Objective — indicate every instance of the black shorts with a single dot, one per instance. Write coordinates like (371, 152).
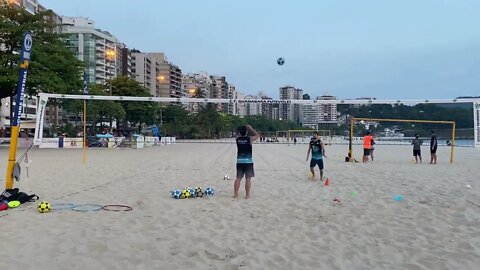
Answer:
(245, 169)
(314, 162)
(433, 151)
(366, 152)
(417, 153)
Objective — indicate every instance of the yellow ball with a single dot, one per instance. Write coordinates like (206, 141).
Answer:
(43, 207)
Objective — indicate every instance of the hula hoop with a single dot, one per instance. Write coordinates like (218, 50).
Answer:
(89, 207)
(117, 208)
(63, 206)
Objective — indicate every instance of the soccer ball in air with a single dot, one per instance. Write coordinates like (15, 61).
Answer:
(43, 207)
(199, 192)
(280, 61)
(209, 191)
(226, 177)
(185, 194)
(176, 194)
(192, 192)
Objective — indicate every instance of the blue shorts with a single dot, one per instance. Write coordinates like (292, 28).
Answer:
(314, 162)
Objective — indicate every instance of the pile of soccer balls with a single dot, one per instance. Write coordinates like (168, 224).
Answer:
(190, 192)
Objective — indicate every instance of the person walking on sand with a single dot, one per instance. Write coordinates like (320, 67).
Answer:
(417, 148)
(317, 149)
(433, 148)
(367, 145)
(245, 159)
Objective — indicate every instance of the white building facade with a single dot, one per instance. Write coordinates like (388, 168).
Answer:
(99, 50)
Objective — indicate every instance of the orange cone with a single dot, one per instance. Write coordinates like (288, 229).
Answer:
(327, 182)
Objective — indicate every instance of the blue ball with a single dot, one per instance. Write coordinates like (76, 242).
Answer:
(209, 191)
(193, 194)
(176, 194)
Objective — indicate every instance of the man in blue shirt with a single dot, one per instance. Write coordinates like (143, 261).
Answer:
(245, 159)
(317, 149)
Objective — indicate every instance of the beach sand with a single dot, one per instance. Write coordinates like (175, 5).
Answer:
(289, 223)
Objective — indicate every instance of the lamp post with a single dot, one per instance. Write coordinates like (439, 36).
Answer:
(110, 55)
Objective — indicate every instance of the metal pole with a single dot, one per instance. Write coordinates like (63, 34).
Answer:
(14, 128)
(453, 143)
(350, 146)
(84, 131)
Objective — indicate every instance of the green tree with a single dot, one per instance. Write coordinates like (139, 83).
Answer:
(177, 121)
(136, 112)
(53, 67)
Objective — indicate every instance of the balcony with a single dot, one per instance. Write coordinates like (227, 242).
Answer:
(100, 42)
(100, 73)
(100, 49)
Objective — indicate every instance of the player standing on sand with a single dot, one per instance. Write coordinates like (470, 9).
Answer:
(367, 145)
(433, 148)
(417, 143)
(318, 152)
(245, 159)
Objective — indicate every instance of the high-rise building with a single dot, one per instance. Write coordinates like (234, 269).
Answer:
(290, 112)
(170, 76)
(220, 90)
(252, 108)
(98, 49)
(310, 115)
(196, 85)
(162, 78)
(126, 58)
(241, 106)
(146, 71)
(31, 6)
(268, 107)
(319, 113)
(232, 94)
(328, 112)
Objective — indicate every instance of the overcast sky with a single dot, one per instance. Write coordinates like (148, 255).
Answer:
(348, 48)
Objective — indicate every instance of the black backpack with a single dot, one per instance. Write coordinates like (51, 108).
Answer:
(9, 195)
(23, 197)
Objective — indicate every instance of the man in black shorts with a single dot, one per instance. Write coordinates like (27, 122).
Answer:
(433, 148)
(244, 159)
(417, 148)
(317, 149)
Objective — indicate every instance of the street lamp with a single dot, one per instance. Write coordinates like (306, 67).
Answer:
(110, 55)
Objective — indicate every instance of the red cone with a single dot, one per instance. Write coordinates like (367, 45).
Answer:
(327, 182)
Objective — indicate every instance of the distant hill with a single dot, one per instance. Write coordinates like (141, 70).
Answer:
(466, 106)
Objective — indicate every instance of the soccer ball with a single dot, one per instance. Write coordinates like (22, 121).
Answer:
(280, 61)
(43, 207)
(192, 192)
(185, 194)
(209, 191)
(226, 177)
(199, 192)
(176, 194)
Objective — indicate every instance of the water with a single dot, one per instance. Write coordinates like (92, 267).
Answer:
(464, 143)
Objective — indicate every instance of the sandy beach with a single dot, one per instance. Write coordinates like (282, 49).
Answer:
(289, 223)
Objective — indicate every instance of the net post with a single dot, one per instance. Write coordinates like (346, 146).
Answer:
(42, 100)
(350, 147)
(453, 143)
